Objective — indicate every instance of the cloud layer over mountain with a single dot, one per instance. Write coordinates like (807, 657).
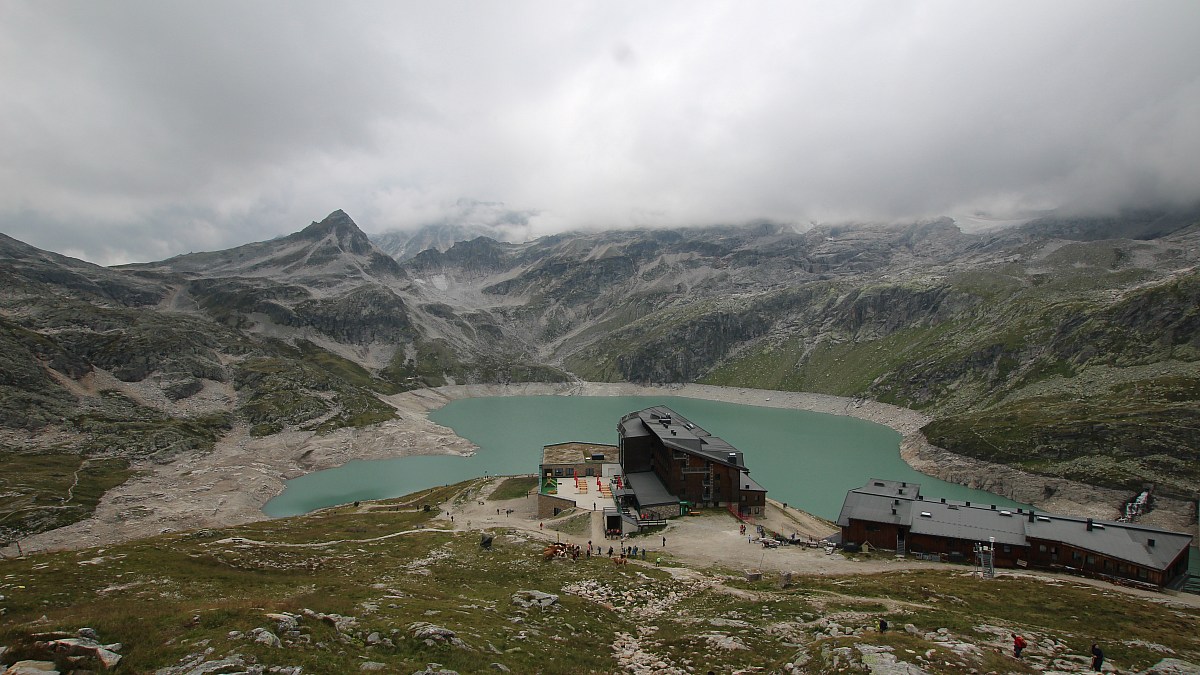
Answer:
(139, 130)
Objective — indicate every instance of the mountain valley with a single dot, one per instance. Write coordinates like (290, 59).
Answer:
(1060, 347)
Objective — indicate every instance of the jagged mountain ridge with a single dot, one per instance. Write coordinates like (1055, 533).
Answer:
(325, 253)
(1024, 346)
(977, 329)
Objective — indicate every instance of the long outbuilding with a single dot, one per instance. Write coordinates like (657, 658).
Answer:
(894, 515)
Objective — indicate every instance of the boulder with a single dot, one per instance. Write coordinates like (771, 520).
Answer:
(434, 635)
(435, 669)
(197, 665)
(1171, 667)
(32, 668)
(81, 646)
(266, 637)
(534, 599)
(340, 623)
(284, 622)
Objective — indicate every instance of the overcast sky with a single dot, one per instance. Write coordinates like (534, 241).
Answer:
(133, 131)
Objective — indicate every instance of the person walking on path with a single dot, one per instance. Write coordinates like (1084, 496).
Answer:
(1097, 657)
(664, 542)
(1019, 645)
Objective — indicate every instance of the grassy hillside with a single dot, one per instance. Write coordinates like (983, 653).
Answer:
(331, 591)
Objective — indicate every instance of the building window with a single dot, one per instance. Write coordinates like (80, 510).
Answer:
(570, 472)
(1091, 560)
(1042, 548)
(558, 472)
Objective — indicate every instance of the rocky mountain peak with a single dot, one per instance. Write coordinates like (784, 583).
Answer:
(341, 228)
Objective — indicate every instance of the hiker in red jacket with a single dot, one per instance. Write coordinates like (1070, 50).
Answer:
(1019, 644)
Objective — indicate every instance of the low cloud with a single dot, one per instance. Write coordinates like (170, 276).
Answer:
(140, 130)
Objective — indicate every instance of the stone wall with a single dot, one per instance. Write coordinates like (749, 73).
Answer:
(547, 504)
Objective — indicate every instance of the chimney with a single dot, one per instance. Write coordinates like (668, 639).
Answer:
(1031, 515)
(903, 484)
(895, 501)
(943, 500)
(893, 510)
(993, 507)
(1089, 524)
(1150, 543)
(967, 504)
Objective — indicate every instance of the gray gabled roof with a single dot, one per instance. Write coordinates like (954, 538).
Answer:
(679, 433)
(1127, 541)
(972, 523)
(746, 483)
(874, 508)
(875, 502)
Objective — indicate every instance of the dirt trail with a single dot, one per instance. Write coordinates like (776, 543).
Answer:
(709, 539)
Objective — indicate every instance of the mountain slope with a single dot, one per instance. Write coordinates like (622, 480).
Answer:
(1045, 346)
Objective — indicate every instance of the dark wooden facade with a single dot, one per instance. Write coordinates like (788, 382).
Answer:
(693, 475)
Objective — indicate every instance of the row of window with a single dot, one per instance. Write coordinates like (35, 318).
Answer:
(569, 472)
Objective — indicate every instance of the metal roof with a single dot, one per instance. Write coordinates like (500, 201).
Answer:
(875, 501)
(648, 489)
(890, 488)
(631, 426)
(973, 523)
(745, 482)
(679, 433)
(1127, 541)
(874, 508)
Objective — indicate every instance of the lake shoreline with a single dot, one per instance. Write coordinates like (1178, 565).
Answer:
(231, 484)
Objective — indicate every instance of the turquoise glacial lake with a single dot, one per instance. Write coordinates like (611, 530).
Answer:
(808, 460)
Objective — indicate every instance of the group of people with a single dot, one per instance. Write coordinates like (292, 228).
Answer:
(626, 551)
(1020, 643)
